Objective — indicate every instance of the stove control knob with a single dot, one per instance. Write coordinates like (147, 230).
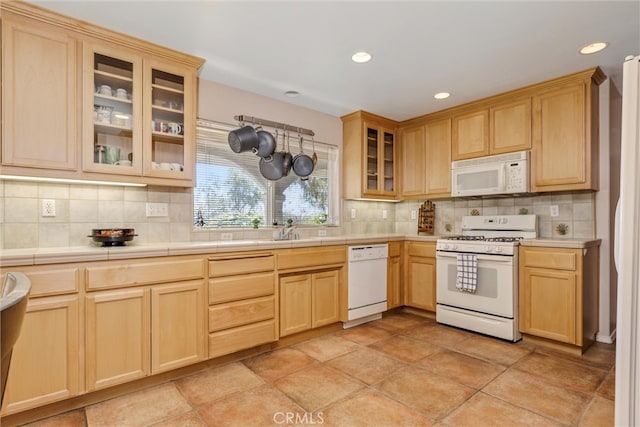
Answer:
(498, 249)
(445, 246)
(489, 249)
(454, 247)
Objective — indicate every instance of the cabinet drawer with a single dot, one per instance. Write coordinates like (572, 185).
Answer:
(422, 249)
(229, 315)
(241, 287)
(229, 265)
(311, 257)
(240, 338)
(115, 275)
(50, 281)
(551, 258)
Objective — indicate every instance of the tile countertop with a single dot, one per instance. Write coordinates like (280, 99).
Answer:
(36, 256)
(561, 243)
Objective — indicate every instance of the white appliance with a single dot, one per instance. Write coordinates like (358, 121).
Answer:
(491, 175)
(627, 253)
(492, 309)
(367, 283)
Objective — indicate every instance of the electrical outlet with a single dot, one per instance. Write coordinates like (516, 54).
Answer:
(322, 233)
(554, 211)
(48, 207)
(226, 236)
(353, 214)
(157, 209)
(385, 214)
(414, 214)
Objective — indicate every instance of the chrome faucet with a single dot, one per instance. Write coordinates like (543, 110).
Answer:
(286, 232)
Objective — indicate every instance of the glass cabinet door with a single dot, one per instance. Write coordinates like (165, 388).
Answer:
(167, 149)
(112, 88)
(388, 157)
(372, 143)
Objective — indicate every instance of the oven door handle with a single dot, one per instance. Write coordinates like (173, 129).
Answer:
(481, 257)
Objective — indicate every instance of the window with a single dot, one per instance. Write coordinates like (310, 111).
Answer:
(231, 192)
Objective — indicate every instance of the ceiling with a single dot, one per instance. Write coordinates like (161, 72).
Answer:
(470, 49)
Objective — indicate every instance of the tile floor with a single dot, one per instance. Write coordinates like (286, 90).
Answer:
(402, 370)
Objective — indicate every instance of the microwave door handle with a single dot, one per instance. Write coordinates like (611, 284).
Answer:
(504, 176)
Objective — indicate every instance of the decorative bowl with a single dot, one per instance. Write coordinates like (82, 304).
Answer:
(112, 236)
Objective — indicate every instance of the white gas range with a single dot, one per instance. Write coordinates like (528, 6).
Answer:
(477, 274)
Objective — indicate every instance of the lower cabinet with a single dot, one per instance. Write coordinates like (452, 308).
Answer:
(420, 275)
(309, 301)
(558, 295)
(117, 337)
(135, 332)
(45, 363)
(242, 305)
(177, 325)
(394, 276)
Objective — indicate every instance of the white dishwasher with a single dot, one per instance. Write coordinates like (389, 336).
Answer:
(367, 283)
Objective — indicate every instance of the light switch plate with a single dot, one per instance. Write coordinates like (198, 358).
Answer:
(554, 211)
(414, 214)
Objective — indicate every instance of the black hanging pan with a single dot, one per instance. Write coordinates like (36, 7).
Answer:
(302, 164)
(266, 143)
(272, 166)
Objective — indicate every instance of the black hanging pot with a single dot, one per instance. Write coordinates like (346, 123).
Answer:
(302, 164)
(272, 167)
(243, 139)
(266, 143)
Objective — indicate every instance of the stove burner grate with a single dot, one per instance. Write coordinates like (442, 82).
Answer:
(465, 238)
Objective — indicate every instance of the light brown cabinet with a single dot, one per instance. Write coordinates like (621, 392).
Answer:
(139, 115)
(45, 364)
(420, 274)
(51, 327)
(564, 153)
(510, 126)
(117, 337)
(242, 305)
(558, 295)
(128, 106)
(426, 159)
(394, 276)
(40, 96)
(413, 164)
(143, 317)
(470, 134)
(370, 157)
(309, 301)
(177, 325)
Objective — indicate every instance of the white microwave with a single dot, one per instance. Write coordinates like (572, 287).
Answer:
(491, 175)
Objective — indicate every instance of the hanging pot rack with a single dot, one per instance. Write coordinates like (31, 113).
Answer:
(276, 125)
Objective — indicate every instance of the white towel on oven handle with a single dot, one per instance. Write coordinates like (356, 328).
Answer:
(467, 277)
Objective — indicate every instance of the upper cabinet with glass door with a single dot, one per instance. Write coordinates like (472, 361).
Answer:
(370, 154)
(113, 111)
(169, 134)
(139, 116)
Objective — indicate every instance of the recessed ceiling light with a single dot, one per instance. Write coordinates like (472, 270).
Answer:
(442, 95)
(361, 57)
(593, 48)
(292, 93)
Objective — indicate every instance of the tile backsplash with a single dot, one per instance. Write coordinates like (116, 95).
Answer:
(79, 208)
(575, 210)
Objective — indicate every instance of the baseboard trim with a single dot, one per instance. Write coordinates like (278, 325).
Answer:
(608, 339)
